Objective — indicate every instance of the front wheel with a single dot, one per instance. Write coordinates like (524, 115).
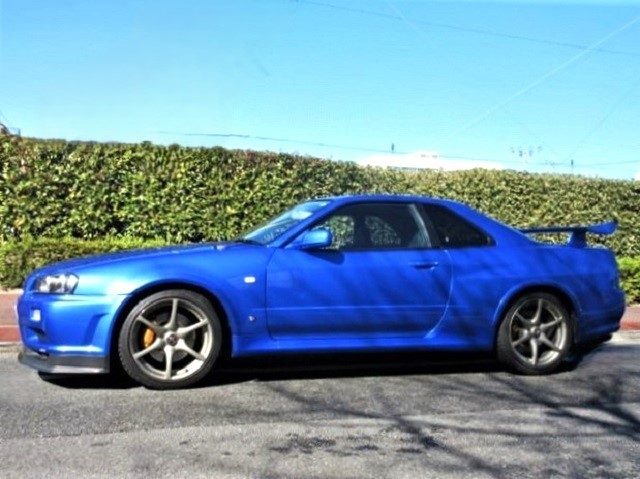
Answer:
(170, 339)
(535, 335)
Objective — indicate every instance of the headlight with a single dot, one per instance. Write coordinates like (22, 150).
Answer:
(57, 284)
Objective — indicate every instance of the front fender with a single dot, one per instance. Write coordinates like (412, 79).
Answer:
(242, 302)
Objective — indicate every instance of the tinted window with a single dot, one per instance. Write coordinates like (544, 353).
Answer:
(287, 220)
(452, 230)
(377, 226)
(343, 229)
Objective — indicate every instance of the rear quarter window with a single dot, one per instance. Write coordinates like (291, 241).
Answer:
(452, 230)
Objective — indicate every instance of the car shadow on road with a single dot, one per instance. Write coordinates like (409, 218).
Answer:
(86, 381)
(317, 366)
(354, 365)
(321, 366)
(295, 367)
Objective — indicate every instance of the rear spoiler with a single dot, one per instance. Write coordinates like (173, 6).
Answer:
(578, 238)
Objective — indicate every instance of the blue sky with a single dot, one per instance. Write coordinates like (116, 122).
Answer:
(467, 79)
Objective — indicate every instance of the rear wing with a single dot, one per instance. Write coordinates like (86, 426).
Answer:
(578, 237)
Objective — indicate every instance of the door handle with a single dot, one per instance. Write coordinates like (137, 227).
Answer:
(425, 265)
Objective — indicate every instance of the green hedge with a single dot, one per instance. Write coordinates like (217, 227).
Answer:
(18, 258)
(630, 277)
(143, 194)
(51, 188)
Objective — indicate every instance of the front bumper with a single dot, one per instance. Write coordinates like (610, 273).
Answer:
(64, 364)
(65, 334)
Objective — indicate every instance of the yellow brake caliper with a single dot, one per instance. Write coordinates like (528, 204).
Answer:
(148, 338)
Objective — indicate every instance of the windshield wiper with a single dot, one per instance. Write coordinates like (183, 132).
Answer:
(247, 241)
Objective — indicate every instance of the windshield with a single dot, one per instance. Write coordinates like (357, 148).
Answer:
(287, 220)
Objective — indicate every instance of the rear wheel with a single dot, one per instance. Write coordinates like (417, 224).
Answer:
(535, 334)
(170, 339)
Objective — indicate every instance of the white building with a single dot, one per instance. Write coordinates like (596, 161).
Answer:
(419, 160)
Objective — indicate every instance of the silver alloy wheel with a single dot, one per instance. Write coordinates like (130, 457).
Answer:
(171, 339)
(538, 332)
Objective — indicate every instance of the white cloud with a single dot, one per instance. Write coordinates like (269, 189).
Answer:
(418, 160)
(637, 177)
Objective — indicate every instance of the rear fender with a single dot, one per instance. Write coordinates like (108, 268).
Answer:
(564, 294)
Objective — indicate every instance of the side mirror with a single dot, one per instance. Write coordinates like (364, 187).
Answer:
(316, 239)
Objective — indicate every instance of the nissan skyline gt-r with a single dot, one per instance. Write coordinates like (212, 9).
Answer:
(343, 274)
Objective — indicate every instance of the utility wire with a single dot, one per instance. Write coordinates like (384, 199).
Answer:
(542, 79)
(403, 18)
(359, 148)
(306, 142)
(279, 140)
(478, 31)
(609, 163)
(529, 131)
(612, 108)
(595, 47)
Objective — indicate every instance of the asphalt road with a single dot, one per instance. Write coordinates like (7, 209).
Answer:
(407, 416)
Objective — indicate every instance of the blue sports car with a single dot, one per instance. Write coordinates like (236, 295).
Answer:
(351, 273)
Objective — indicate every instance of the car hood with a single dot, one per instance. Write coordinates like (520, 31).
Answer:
(76, 264)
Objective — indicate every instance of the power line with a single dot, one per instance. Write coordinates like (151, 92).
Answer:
(305, 142)
(585, 49)
(529, 131)
(612, 108)
(542, 79)
(612, 163)
(402, 17)
(279, 140)
(361, 148)
(478, 31)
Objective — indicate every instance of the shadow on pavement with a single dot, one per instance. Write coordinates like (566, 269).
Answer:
(89, 381)
(328, 365)
(318, 366)
(570, 414)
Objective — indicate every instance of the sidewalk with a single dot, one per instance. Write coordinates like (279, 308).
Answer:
(9, 330)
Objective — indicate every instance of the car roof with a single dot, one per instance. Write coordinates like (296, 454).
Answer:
(500, 232)
(385, 197)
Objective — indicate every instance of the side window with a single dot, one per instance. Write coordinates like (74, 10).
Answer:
(342, 228)
(452, 230)
(381, 233)
(377, 226)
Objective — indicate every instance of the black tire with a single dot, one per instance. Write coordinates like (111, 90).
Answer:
(519, 330)
(179, 321)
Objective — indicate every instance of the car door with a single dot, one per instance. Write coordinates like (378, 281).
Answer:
(482, 272)
(381, 277)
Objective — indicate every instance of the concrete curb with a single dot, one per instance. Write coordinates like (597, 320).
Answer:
(8, 322)
(631, 319)
(9, 348)
(9, 333)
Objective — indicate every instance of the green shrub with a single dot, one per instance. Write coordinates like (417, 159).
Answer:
(630, 278)
(96, 197)
(19, 258)
(51, 188)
